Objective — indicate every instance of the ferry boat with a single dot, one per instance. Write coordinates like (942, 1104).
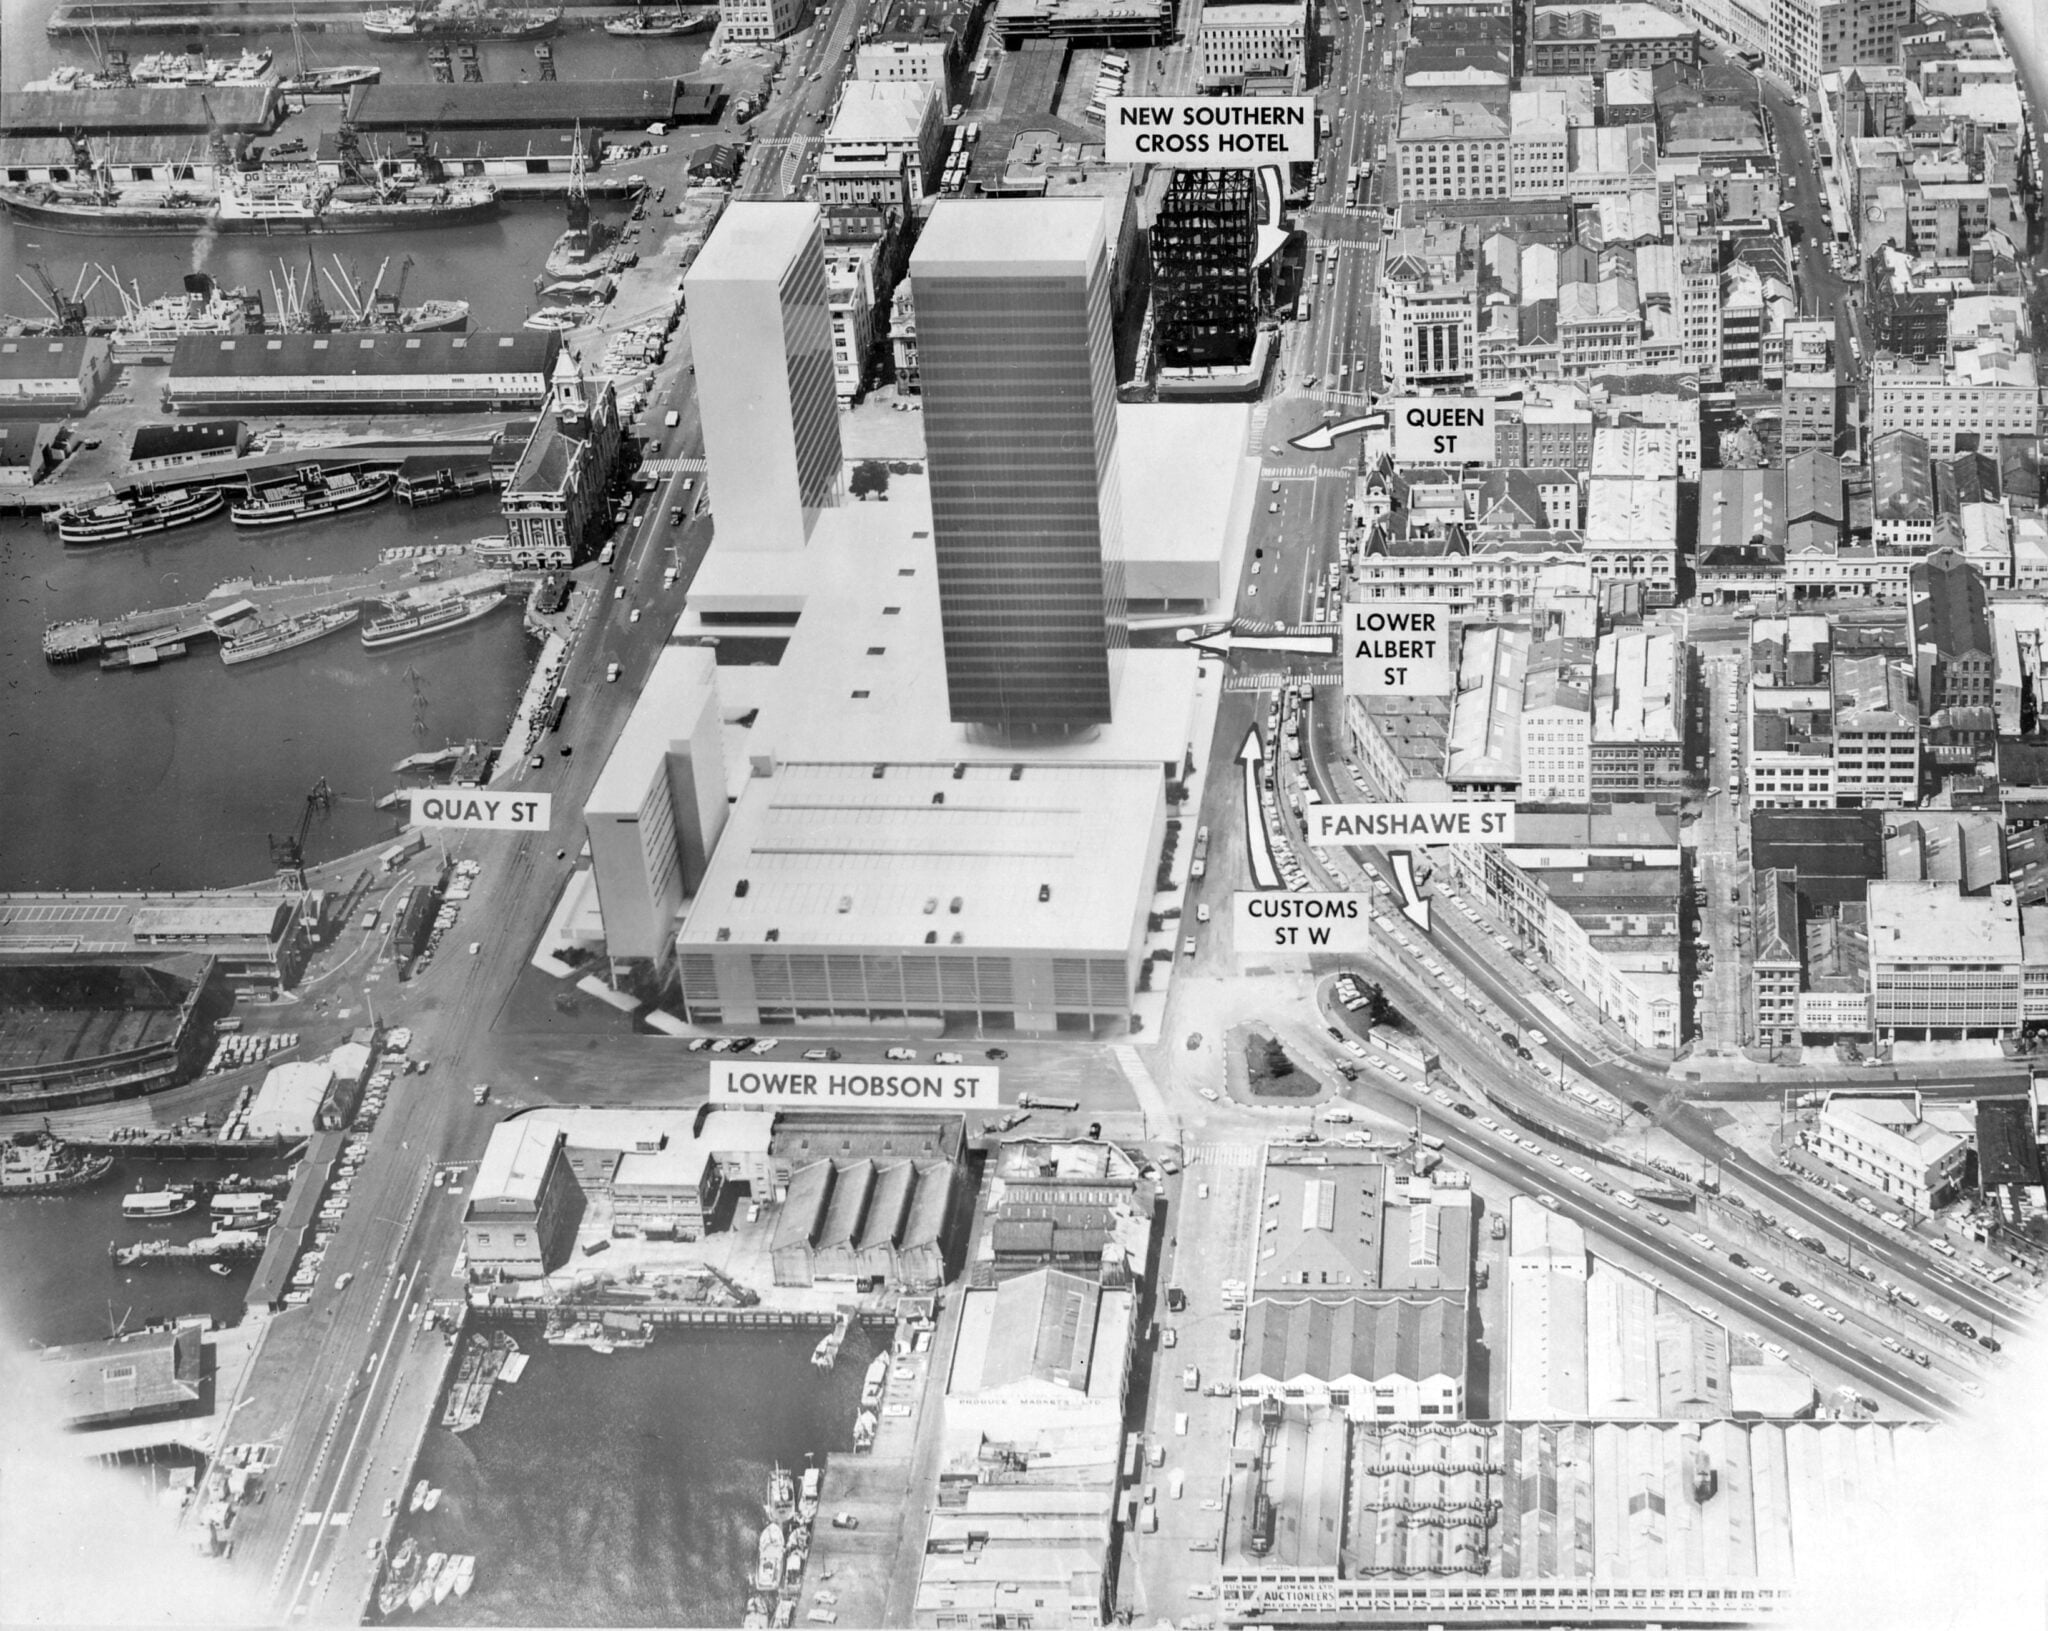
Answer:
(662, 23)
(768, 1567)
(423, 1588)
(462, 22)
(144, 510)
(465, 1574)
(292, 633)
(310, 491)
(435, 485)
(559, 318)
(195, 68)
(429, 617)
(152, 1204)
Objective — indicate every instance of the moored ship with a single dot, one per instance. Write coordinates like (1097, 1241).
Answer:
(661, 23)
(142, 511)
(195, 68)
(46, 1166)
(311, 491)
(443, 482)
(152, 1204)
(768, 1563)
(462, 22)
(435, 616)
(149, 331)
(292, 633)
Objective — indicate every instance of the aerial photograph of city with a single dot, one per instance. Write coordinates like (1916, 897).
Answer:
(990, 815)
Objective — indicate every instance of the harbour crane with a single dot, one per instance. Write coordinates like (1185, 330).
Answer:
(288, 854)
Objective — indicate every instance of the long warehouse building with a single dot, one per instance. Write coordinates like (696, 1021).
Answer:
(305, 373)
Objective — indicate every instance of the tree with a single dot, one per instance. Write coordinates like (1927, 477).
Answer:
(1377, 1009)
(1277, 1062)
(869, 476)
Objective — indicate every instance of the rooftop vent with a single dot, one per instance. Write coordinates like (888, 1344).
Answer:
(939, 797)
(739, 890)
(931, 937)
(772, 935)
(954, 905)
(959, 938)
(1045, 891)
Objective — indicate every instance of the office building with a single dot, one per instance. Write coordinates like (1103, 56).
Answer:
(1237, 41)
(761, 339)
(557, 502)
(1595, 39)
(1953, 651)
(761, 19)
(1450, 151)
(1943, 963)
(1984, 391)
(1204, 236)
(658, 806)
(1884, 1144)
(1018, 372)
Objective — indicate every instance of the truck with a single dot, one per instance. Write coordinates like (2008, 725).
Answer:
(402, 851)
(1033, 1101)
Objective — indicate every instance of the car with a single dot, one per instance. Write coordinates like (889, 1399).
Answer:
(1699, 1239)
(634, 615)
(1191, 1379)
(845, 1520)
(900, 1055)
(1893, 1344)
(612, 673)
(948, 1059)
(1464, 1110)
(1212, 1095)
(475, 947)
(1187, 946)
(767, 1044)
(1974, 1390)
(1775, 1351)
(1813, 1302)
(1990, 1344)
(999, 1053)
(819, 1055)
(1168, 1337)
(1965, 1327)
(1736, 1258)
(1835, 1314)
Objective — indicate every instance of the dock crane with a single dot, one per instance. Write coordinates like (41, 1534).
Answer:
(288, 854)
(66, 311)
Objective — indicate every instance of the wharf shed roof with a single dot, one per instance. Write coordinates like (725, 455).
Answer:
(515, 1163)
(143, 110)
(845, 1212)
(242, 919)
(328, 356)
(553, 103)
(130, 1376)
(46, 356)
(1327, 1341)
(804, 1208)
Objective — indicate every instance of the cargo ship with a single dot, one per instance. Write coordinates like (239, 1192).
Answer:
(312, 491)
(430, 617)
(149, 331)
(462, 22)
(287, 202)
(660, 24)
(142, 511)
(292, 633)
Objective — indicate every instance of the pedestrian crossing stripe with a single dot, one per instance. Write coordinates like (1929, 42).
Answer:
(1225, 1154)
(1274, 679)
(673, 467)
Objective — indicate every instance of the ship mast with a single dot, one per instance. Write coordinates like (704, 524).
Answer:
(579, 194)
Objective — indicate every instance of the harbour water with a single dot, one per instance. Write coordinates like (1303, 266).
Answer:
(626, 1489)
(174, 778)
(57, 1283)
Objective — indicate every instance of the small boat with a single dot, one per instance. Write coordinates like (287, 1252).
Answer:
(465, 1574)
(781, 1491)
(768, 1568)
(219, 1268)
(423, 1588)
(807, 1500)
(419, 1495)
(398, 1579)
(444, 1582)
(756, 1618)
(559, 318)
(433, 1500)
(872, 1384)
(785, 1614)
(157, 1203)
(793, 1568)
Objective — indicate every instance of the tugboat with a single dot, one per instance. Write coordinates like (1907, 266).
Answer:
(312, 490)
(46, 1166)
(142, 511)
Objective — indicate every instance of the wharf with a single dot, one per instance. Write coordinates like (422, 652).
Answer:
(273, 602)
(182, 1147)
(224, 19)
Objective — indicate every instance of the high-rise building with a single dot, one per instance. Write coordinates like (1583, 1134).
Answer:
(761, 340)
(1015, 354)
(1203, 240)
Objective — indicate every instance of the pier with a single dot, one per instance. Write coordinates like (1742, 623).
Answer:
(185, 1147)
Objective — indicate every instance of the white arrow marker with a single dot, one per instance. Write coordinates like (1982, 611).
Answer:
(1324, 437)
(1413, 907)
(1271, 233)
(1223, 642)
(1264, 873)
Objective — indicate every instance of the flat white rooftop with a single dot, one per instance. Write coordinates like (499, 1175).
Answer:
(682, 680)
(753, 243)
(1008, 238)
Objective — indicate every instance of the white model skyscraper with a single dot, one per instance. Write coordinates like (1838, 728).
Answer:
(761, 339)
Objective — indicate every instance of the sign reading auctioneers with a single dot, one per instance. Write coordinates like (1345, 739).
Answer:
(479, 807)
(1211, 132)
(848, 1086)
